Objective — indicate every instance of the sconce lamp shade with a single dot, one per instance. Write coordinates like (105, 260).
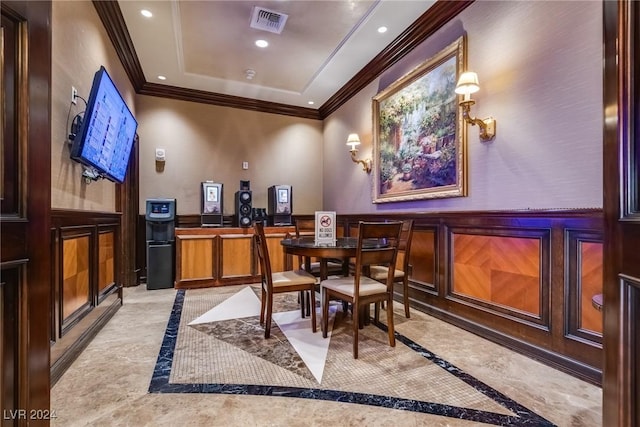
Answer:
(353, 140)
(467, 83)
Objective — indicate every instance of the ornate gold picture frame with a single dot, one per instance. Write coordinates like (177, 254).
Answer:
(419, 141)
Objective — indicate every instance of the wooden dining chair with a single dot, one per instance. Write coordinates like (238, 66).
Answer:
(360, 290)
(402, 273)
(307, 227)
(278, 282)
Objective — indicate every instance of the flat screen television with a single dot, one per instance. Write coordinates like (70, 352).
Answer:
(107, 132)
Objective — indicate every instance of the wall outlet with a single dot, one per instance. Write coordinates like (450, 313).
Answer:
(74, 95)
(245, 165)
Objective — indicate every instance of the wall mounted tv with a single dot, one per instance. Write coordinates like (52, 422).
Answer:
(106, 135)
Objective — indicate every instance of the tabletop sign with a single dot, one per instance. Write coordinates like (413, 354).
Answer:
(325, 228)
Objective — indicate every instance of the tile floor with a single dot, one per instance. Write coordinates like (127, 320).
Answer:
(109, 383)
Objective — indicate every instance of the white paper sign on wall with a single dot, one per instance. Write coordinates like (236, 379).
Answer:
(325, 228)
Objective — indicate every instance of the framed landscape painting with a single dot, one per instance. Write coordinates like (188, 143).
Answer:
(419, 141)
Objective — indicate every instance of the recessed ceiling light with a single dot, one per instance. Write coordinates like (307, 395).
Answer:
(146, 13)
(162, 78)
(382, 30)
(310, 102)
(262, 43)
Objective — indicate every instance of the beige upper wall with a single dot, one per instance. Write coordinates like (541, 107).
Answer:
(540, 71)
(205, 142)
(80, 46)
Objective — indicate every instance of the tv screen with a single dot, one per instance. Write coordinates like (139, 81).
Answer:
(107, 132)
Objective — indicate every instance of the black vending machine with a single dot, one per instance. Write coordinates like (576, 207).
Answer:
(280, 204)
(160, 217)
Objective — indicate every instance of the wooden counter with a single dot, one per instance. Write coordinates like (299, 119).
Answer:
(207, 257)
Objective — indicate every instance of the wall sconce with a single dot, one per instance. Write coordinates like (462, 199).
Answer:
(354, 140)
(468, 84)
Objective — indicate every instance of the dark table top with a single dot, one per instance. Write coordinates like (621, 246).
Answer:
(309, 242)
(341, 243)
(345, 248)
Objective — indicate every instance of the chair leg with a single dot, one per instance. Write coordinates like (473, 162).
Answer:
(356, 327)
(406, 297)
(263, 300)
(392, 335)
(312, 298)
(325, 311)
(376, 312)
(267, 324)
(302, 300)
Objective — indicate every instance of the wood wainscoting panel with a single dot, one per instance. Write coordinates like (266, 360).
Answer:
(422, 257)
(499, 270)
(630, 342)
(197, 258)
(590, 268)
(11, 316)
(106, 260)
(235, 255)
(87, 283)
(511, 277)
(75, 275)
(585, 258)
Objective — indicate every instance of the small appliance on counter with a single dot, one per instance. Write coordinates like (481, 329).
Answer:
(280, 204)
(211, 204)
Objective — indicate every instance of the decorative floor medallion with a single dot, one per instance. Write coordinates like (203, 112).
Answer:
(215, 344)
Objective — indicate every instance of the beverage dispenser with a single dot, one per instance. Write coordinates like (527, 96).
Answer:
(160, 218)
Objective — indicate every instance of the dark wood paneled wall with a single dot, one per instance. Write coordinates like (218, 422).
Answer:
(25, 202)
(621, 154)
(85, 292)
(523, 279)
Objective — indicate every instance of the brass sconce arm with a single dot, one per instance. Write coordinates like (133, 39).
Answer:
(468, 84)
(353, 141)
(366, 163)
(487, 126)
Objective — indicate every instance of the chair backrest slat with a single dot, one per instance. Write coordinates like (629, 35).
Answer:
(406, 235)
(386, 232)
(305, 227)
(263, 253)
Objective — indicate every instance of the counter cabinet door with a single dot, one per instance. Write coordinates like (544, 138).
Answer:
(236, 257)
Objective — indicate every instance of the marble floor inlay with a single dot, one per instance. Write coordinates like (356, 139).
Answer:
(214, 343)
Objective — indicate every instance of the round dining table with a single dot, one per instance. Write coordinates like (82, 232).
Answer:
(344, 248)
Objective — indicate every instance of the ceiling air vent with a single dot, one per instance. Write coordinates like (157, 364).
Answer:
(268, 20)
